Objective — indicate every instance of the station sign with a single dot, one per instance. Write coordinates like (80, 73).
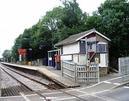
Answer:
(22, 51)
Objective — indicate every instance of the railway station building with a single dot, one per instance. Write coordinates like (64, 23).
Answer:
(85, 48)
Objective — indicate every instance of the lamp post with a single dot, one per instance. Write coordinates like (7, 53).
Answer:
(30, 54)
(0, 81)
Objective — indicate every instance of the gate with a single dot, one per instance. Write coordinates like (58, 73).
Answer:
(80, 73)
(124, 66)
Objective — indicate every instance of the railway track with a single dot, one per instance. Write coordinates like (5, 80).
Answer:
(29, 89)
(9, 86)
(18, 90)
(36, 78)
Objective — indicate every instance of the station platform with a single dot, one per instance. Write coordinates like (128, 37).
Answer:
(51, 73)
(58, 78)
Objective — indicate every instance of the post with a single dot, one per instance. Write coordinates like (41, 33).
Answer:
(97, 65)
(119, 60)
(86, 50)
(75, 72)
(62, 68)
(0, 81)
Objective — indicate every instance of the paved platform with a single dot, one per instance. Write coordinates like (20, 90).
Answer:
(21, 66)
(49, 72)
(57, 78)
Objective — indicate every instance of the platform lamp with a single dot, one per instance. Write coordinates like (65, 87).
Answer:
(30, 54)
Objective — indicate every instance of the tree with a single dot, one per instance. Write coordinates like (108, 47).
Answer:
(16, 46)
(94, 21)
(53, 20)
(73, 14)
(56, 25)
(73, 19)
(115, 22)
(7, 55)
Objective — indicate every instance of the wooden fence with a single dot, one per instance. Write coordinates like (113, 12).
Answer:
(80, 73)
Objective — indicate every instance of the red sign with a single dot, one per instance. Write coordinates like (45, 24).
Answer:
(22, 51)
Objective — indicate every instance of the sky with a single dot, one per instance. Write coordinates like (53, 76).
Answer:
(16, 15)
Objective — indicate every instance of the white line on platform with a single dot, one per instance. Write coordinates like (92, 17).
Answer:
(104, 98)
(24, 96)
(52, 93)
(99, 97)
(112, 83)
(66, 98)
(107, 82)
(90, 86)
(116, 84)
(81, 91)
(126, 87)
(48, 98)
(99, 92)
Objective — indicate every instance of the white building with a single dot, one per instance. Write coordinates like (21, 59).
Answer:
(75, 49)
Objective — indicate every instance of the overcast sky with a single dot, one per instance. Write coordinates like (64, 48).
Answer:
(16, 15)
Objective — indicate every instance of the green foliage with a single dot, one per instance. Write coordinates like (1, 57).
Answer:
(7, 55)
(56, 25)
(111, 19)
(73, 20)
(115, 22)
(94, 22)
(73, 15)
(52, 19)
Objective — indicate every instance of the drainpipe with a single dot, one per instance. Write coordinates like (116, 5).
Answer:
(86, 51)
(0, 81)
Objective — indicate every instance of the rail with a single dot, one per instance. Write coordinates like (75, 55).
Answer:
(43, 96)
(24, 85)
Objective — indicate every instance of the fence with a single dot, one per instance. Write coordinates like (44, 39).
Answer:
(124, 66)
(80, 73)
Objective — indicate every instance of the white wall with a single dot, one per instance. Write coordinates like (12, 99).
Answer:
(71, 49)
(76, 59)
(66, 57)
(103, 60)
(82, 59)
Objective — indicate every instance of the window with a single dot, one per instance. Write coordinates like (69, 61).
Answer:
(82, 47)
(62, 50)
(101, 47)
(90, 46)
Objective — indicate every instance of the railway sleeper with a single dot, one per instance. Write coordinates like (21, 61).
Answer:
(14, 91)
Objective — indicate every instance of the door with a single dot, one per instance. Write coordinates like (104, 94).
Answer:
(103, 60)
